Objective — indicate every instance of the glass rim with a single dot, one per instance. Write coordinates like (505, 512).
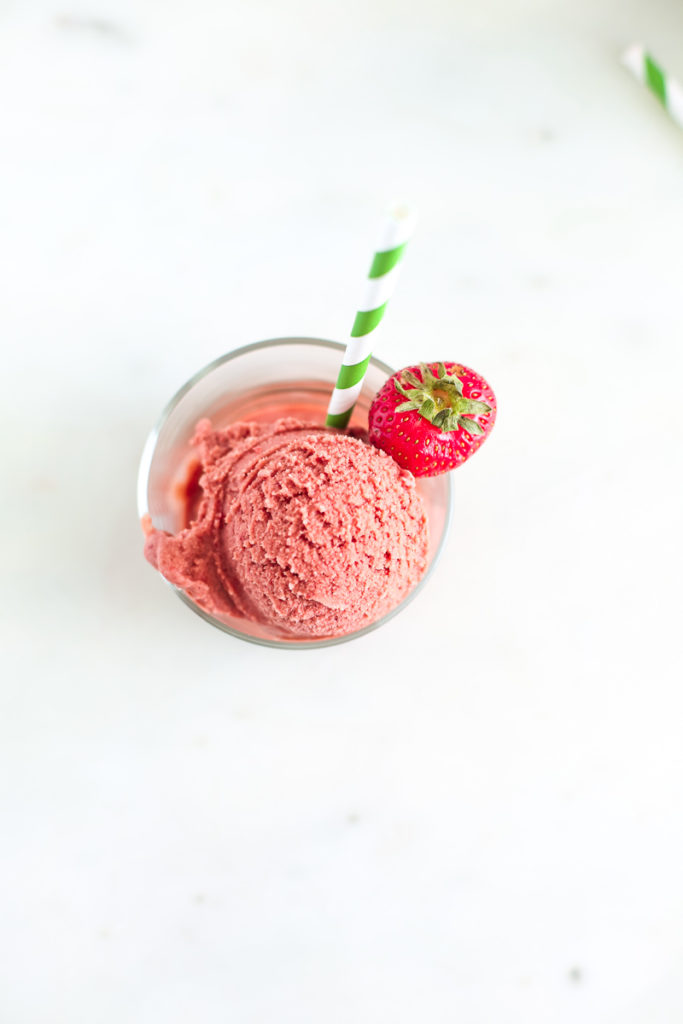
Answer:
(147, 458)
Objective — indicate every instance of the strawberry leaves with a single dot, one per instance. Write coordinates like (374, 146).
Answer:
(439, 399)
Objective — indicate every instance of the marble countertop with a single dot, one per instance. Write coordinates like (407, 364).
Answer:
(473, 814)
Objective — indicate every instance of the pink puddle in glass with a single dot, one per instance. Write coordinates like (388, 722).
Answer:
(307, 531)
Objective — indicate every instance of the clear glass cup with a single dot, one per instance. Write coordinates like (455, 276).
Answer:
(295, 376)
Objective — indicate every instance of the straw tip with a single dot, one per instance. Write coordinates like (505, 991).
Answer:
(403, 213)
(633, 58)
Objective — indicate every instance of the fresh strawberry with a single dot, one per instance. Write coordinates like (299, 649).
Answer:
(432, 417)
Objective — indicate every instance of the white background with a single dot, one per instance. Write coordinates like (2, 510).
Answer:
(474, 814)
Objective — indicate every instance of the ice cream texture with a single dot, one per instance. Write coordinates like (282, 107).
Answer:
(309, 530)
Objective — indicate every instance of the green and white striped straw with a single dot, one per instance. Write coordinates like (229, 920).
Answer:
(379, 288)
(666, 89)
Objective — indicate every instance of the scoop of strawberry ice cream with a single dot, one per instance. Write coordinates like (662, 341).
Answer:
(308, 530)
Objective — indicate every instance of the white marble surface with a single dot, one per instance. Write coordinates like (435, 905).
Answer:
(474, 814)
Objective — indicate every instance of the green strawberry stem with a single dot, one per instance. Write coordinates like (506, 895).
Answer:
(439, 399)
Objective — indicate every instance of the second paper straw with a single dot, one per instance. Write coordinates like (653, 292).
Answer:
(381, 281)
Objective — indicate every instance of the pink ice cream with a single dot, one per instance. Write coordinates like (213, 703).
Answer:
(305, 529)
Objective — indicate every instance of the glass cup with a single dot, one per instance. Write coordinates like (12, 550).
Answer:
(261, 382)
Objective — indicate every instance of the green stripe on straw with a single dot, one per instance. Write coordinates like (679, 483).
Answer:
(654, 77)
(386, 261)
(350, 375)
(339, 419)
(664, 86)
(366, 322)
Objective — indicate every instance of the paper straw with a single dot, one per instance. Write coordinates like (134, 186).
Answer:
(379, 288)
(666, 89)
